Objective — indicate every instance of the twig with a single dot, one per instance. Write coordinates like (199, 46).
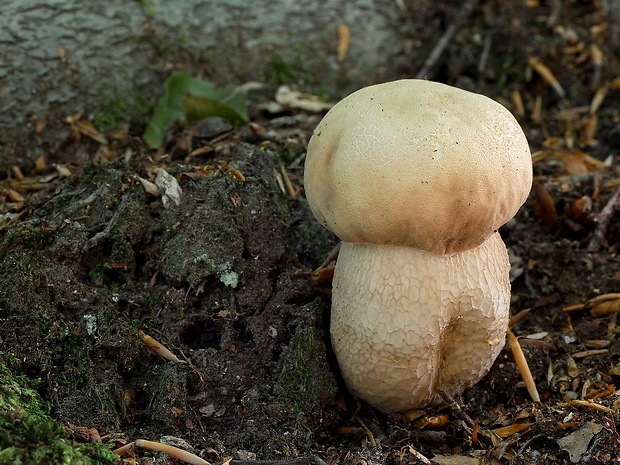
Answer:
(466, 10)
(379, 434)
(333, 254)
(528, 442)
(458, 411)
(419, 456)
(593, 447)
(101, 235)
(101, 191)
(604, 217)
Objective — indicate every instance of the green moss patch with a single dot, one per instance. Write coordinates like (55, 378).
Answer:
(29, 436)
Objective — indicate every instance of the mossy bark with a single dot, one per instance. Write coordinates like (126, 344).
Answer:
(104, 259)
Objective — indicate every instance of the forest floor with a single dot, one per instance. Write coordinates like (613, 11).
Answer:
(94, 268)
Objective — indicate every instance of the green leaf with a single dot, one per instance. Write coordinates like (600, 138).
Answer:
(188, 98)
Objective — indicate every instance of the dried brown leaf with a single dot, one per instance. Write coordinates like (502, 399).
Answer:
(507, 431)
(602, 392)
(15, 196)
(40, 164)
(149, 187)
(17, 173)
(544, 206)
(571, 367)
(606, 308)
(436, 421)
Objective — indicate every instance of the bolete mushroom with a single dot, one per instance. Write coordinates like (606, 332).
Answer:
(415, 178)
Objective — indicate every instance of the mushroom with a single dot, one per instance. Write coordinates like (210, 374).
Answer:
(415, 178)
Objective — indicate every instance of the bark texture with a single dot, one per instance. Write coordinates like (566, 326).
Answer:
(61, 56)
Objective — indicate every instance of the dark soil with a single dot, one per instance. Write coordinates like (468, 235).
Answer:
(88, 259)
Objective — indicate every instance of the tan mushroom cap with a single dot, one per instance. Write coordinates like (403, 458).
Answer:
(419, 164)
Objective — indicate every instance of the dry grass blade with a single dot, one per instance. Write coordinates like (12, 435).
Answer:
(157, 348)
(602, 392)
(589, 304)
(518, 317)
(517, 100)
(344, 37)
(587, 404)
(174, 452)
(547, 76)
(523, 367)
(597, 59)
(598, 99)
(125, 449)
(606, 308)
(589, 353)
(279, 180)
(291, 190)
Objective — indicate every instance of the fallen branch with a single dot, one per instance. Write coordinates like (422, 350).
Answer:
(456, 408)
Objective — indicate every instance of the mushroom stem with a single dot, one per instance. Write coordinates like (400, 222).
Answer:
(406, 322)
